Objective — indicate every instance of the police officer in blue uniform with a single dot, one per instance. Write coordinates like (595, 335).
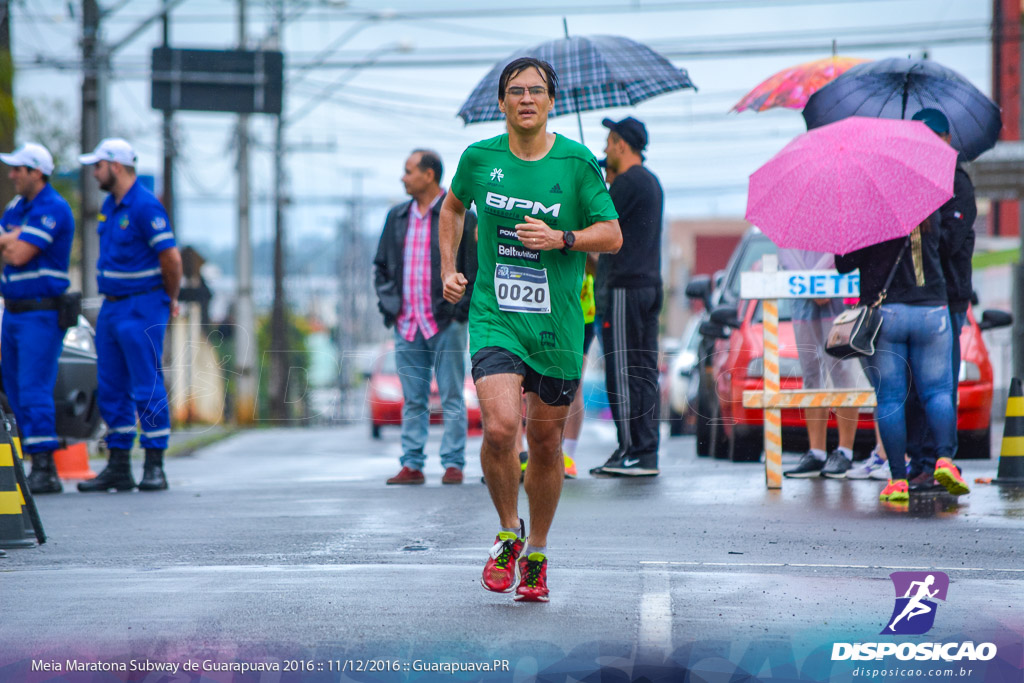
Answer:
(36, 233)
(139, 276)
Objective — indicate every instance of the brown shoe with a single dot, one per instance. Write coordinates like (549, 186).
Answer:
(452, 475)
(407, 476)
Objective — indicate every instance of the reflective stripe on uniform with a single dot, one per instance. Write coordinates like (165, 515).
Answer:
(121, 430)
(158, 432)
(41, 234)
(161, 237)
(33, 274)
(118, 275)
(38, 439)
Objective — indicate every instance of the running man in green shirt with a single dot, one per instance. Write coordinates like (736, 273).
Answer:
(541, 204)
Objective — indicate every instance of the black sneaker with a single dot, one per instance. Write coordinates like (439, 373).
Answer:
(808, 467)
(836, 466)
(924, 483)
(614, 459)
(633, 466)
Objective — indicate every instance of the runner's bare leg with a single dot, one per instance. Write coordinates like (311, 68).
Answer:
(544, 425)
(500, 400)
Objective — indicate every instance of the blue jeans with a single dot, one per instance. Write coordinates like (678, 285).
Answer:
(444, 353)
(920, 443)
(915, 341)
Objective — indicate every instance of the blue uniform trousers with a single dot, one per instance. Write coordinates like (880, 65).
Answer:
(30, 344)
(130, 349)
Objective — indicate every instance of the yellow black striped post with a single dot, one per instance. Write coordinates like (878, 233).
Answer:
(12, 525)
(1011, 455)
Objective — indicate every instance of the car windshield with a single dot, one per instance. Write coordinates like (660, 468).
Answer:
(751, 253)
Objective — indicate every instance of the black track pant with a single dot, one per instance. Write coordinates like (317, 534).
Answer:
(629, 332)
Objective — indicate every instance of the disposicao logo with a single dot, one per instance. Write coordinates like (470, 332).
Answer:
(914, 615)
(914, 612)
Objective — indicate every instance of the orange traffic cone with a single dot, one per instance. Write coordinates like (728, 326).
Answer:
(1011, 455)
(73, 462)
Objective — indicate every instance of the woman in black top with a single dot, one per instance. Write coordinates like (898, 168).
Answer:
(915, 340)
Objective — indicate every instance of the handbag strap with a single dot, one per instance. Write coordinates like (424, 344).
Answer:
(892, 274)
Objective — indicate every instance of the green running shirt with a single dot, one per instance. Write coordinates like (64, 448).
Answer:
(524, 300)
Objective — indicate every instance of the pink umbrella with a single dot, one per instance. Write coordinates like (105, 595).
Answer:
(851, 184)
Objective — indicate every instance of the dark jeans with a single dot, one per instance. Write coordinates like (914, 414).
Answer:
(921, 447)
(915, 341)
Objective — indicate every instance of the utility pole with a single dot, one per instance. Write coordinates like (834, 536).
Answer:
(10, 119)
(94, 121)
(168, 133)
(278, 319)
(245, 330)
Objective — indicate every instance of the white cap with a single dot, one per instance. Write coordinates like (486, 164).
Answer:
(111, 149)
(30, 155)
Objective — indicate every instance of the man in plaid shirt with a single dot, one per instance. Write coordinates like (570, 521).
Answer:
(429, 331)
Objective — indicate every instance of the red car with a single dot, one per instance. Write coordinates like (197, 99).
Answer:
(738, 366)
(384, 396)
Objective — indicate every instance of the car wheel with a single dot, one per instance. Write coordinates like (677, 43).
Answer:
(974, 445)
(375, 430)
(746, 444)
(676, 424)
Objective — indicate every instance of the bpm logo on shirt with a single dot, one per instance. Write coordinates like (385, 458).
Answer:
(914, 611)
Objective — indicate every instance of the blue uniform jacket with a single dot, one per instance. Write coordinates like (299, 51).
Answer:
(45, 222)
(132, 235)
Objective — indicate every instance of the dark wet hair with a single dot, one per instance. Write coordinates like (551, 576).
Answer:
(430, 161)
(518, 66)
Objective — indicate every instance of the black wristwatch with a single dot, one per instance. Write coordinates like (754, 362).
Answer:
(568, 239)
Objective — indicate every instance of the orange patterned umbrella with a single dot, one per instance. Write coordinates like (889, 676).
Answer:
(791, 87)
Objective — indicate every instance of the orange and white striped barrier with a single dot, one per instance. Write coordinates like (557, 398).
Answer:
(769, 286)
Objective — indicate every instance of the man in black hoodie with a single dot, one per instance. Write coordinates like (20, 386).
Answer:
(429, 331)
(956, 249)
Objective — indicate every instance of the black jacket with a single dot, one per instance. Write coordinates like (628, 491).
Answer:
(640, 203)
(958, 216)
(389, 265)
(875, 263)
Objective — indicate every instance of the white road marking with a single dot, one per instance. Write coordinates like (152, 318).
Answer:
(655, 633)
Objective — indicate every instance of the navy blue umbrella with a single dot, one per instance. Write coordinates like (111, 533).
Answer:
(898, 88)
(594, 72)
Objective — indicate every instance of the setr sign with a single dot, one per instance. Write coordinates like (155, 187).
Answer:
(799, 284)
(240, 81)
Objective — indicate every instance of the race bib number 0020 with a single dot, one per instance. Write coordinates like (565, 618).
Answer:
(521, 290)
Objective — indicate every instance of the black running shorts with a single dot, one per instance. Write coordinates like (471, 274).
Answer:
(495, 360)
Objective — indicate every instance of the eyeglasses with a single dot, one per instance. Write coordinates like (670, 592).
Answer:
(535, 90)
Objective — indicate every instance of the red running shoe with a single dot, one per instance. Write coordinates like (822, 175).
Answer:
(534, 584)
(501, 573)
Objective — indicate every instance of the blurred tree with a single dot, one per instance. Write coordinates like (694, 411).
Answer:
(297, 364)
(8, 115)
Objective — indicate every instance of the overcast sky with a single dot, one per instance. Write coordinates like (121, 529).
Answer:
(367, 118)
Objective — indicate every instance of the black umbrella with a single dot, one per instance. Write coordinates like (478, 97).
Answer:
(898, 88)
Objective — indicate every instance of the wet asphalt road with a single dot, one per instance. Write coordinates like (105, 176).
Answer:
(287, 540)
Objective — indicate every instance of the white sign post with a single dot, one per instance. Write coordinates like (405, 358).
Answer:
(769, 286)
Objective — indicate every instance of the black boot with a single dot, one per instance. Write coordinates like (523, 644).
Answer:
(116, 475)
(153, 478)
(43, 478)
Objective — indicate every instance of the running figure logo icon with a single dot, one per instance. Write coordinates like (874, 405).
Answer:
(914, 612)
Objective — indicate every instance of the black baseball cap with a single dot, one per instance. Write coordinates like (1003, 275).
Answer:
(630, 130)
